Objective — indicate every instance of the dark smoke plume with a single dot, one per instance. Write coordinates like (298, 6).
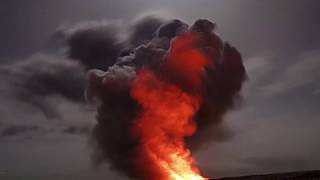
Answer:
(144, 29)
(117, 110)
(96, 47)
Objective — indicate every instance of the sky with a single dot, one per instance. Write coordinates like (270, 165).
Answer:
(44, 130)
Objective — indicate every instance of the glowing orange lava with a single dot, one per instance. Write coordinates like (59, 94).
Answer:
(167, 114)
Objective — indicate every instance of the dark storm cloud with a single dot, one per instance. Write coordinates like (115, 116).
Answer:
(117, 109)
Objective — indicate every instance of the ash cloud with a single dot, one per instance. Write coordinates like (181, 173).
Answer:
(117, 110)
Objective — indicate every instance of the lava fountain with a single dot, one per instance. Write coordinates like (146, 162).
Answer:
(167, 115)
(162, 99)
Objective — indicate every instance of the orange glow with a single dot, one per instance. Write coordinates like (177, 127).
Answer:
(167, 115)
(181, 169)
(163, 125)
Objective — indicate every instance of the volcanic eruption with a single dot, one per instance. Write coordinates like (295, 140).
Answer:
(160, 98)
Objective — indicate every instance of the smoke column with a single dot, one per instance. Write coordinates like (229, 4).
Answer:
(157, 102)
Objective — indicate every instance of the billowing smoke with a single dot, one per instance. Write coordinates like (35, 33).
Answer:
(171, 54)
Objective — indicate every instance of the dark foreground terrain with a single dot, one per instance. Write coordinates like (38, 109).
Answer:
(309, 175)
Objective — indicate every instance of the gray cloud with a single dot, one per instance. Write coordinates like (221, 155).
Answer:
(43, 95)
(13, 130)
(78, 129)
(274, 164)
(304, 72)
(40, 76)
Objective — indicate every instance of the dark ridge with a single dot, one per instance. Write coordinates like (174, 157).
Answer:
(308, 175)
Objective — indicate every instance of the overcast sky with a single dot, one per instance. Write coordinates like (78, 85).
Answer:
(276, 129)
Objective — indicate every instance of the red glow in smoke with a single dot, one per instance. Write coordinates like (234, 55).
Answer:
(167, 113)
(187, 61)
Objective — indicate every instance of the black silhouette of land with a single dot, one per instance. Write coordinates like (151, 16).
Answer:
(301, 175)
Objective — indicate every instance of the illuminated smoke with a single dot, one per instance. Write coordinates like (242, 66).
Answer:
(158, 94)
